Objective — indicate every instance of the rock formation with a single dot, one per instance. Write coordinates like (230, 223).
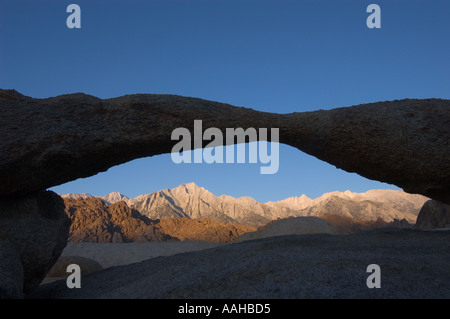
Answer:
(11, 271)
(192, 201)
(116, 197)
(204, 229)
(290, 226)
(47, 142)
(403, 142)
(362, 211)
(433, 215)
(414, 265)
(37, 227)
(386, 203)
(94, 221)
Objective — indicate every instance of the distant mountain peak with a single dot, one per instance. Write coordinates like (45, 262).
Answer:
(190, 189)
(115, 197)
(191, 186)
(116, 194)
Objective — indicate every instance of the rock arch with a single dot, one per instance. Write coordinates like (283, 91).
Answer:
(47, 142)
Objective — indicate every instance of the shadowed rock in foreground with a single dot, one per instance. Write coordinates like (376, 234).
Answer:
(433, 215)
(37, 227)
(413, 264)
(11, 271)
(47, 142)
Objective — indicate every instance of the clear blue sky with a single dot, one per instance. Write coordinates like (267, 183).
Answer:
(276, 56)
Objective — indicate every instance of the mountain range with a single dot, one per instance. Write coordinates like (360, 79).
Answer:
(193, 202)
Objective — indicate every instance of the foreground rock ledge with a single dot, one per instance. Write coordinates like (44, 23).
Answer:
(47, 142)
(414, 264)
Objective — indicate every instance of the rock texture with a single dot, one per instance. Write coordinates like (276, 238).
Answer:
(362, 211)
(203, 229)
(11, 271)
(414, 264)
(114, 198)
(37, 226)
(433, 215)
(94, 221)
(399, 142)
(290, 226)
(376, 203)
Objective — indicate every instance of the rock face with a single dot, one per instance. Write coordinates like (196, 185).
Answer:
(203, 229)
(94, 221)
(290, 226)
(37, 227)
(192, 201)
(78, 135)
(11, 271)
(364, 211)
(433, 215)
(369, 206)
(114, 198)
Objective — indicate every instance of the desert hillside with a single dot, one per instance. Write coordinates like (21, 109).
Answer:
(92, 220)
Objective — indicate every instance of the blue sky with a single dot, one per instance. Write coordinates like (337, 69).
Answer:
(275, 56)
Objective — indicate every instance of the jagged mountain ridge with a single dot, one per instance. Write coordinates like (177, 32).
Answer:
(191, 201)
